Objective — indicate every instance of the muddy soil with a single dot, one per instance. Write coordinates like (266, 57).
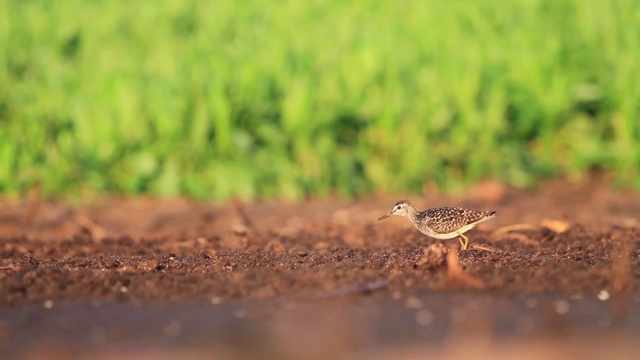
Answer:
(564, 238)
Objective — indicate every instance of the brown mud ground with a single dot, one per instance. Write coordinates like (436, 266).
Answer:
(162, 278)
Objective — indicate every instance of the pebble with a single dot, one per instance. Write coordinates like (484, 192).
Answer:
(561, 306)
(414, 303)
(216, 300)
(603, 295)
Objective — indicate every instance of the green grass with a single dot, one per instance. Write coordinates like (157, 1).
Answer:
(216, 99)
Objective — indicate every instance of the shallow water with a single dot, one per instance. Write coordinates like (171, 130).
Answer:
(449, 325)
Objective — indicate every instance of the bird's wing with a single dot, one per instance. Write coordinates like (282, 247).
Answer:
(444, 220)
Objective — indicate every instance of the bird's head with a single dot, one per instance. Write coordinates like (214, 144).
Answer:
(401, 208)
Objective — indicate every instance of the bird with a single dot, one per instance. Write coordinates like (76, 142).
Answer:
(442, 222)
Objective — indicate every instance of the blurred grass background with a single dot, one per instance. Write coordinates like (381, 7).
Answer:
(216, 99)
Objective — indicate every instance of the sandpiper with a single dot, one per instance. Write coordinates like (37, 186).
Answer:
(442, 222)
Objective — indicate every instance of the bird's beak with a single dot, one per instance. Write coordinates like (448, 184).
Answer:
(383, 217)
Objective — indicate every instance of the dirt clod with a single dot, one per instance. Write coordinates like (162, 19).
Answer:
(434, 256)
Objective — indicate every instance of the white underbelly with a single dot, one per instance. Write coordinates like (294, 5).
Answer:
(450, 235)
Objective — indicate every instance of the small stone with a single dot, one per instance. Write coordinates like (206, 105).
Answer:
(433, 256)
(275, 246)
(414, 303)
(603, 295)
(557, 226)
(298, 252)
(561, 306)
(216, 300)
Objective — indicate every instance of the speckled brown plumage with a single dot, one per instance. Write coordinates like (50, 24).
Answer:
(442, 222)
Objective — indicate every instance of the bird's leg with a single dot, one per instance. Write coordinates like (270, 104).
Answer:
(463, 243)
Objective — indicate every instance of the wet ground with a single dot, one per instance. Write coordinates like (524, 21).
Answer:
(556, 272)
